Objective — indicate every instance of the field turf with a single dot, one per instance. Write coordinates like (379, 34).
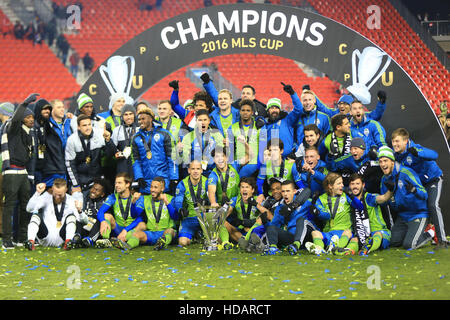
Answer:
(192, 274)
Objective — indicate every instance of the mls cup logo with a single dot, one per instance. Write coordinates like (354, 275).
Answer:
(367, 73)
(118, 76)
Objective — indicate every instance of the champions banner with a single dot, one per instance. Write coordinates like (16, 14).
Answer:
(343, 54)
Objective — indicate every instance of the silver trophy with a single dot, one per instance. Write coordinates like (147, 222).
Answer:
(117, 77)
(367, 73)
(211, 219)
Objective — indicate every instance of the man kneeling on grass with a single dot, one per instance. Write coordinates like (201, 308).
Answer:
(125, 214)
(158, 227)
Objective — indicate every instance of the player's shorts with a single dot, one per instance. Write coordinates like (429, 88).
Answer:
(327, 236)
(386, 238)
(189, 226)
(117, 230)
(153, 236)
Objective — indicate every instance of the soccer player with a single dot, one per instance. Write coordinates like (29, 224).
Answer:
(118, 215)
(122, 136)
(337, 143)
(88, 232)
(291, 223)
(275, 167)
(198, 144)
(158, 218)
(83, 153)
(409, 202)
(312, 138)
(313, 171)
(86, 106)
(17, 151)
(189, 193)
(371, 131)
(153, 154)
(362, 161)
(201, 100)
(53, 216)
(280, 125)
(370, 230)
(225, 115)
(344, 107)
(243, 138)
(246, 216)
(223, 181)
(114, 114)
(332, 207)
(423, 162)
(310, 115)
(169, 122)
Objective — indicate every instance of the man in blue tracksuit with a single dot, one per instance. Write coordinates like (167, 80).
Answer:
(423, 162)
(361, 161)
(278, 125)
(373, 133)
(409, 202)
(57, 131)
(311, 171)
(293, 213)
(345, 101)
(153, 153)
(310, 115)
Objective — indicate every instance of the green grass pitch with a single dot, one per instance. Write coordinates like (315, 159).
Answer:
(192, 274)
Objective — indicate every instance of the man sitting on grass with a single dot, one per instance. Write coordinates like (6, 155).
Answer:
(124, 217)
(371, 232)
(332, 207)
(158, 226)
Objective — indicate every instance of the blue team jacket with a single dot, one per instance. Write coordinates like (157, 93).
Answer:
(409, 206)
(424, 164)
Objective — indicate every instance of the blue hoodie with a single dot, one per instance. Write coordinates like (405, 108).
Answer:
(372, 132)
(424, 164)
(302, 211)
(409, 206)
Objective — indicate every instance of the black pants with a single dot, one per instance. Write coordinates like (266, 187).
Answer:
(16, 187)
(278, 236)
(94, 233)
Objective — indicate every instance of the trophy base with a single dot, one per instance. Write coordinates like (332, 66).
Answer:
(211, 246)
(361, 92)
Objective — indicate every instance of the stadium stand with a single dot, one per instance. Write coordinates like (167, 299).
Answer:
(34, 68)
(396, 38)
(106, 25)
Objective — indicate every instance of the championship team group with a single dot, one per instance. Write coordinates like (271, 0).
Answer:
(317, 178)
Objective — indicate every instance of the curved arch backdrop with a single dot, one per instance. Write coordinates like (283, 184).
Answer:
(343, 54)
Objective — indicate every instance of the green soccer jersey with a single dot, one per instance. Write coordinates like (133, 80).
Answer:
(216, 178)
(376, 219)
(122, 219)
(226, 121)
(251, 136)
(184, 198)
(337, 216)
(268, 170)
(158, 217)
(238, 207)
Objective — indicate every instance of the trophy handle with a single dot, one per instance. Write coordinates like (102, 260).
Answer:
(386, 65)
(354, 71)
(130, 81)
(105, 79)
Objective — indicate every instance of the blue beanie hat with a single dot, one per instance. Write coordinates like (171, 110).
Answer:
(346, 99)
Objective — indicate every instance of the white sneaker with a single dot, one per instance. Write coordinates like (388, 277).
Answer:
(103, 243)
(333, 244)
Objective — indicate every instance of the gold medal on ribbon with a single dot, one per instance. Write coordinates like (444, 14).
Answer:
(149, 155)
(88, 160)
(58, 224)
(41, 147)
